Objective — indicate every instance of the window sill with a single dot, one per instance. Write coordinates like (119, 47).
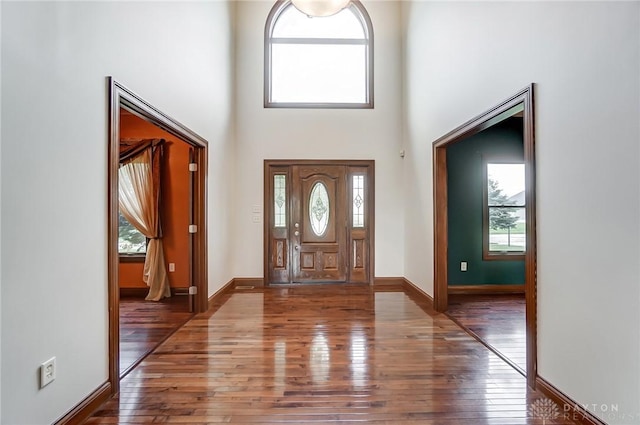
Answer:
(302, 105)
(132, 258)
(501, 256)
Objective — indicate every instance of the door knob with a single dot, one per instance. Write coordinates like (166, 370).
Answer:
(297, 225)
(296, 233)
(297, 247)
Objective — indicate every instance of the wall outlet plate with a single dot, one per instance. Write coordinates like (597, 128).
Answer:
(47, 372)
(463, 266)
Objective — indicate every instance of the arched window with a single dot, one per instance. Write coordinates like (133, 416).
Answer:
(318, 62)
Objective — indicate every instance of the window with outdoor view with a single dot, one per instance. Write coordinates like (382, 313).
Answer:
(318, 62)
(130, 240)
(504, 212)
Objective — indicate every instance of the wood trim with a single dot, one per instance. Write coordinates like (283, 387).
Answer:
(215, 300)
(142, 292)
(531, 254)
(371, 216)
(352, 162)
(389, 283)
(566, 405)
(86, 407)
(133, 292)
(411, 288)
(122, 97)
(132, 258)
(258, 282)
(441, 229)
(113, 256)
(200, 246)
(521, 102)
(485, 289)
(267, 219)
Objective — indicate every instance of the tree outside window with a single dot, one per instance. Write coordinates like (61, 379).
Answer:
(130, 240)
(505, 219)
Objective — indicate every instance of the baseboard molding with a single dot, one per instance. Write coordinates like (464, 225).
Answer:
(388, 283)
(257, 282)
(86, 407)
(214, 300)
(568, 408)
(411, 288)
(142, 292)
(484, 289)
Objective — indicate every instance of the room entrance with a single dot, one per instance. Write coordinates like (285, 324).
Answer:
(514, 214)
(133, 117)
(318, 221)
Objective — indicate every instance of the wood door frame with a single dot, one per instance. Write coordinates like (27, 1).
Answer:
(370, 193)
(440, 213)
(120, 96)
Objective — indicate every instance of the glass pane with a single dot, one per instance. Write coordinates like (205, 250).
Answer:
(507, 229)
(505, 184)
(130, 240)
(358, 201)
(319, 208)
(318, 73)
(280, 200)
(294, 24)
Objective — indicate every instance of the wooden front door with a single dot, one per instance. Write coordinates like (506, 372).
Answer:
(318, 221)
(319, 217)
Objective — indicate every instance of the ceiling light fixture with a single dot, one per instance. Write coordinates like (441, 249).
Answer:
(320, 8)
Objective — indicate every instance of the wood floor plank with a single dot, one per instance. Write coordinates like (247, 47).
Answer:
(145, 324)
(322, 355)
(498, 319)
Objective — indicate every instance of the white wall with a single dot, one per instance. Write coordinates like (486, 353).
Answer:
(319, 134)
(0, 220)
(461, 59)
(55, 57)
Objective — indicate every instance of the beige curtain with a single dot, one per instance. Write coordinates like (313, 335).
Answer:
(139, 203)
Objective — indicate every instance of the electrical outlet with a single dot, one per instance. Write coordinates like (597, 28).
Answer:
(255, 218)
(172, 267)
(47, 372)
(463, 266)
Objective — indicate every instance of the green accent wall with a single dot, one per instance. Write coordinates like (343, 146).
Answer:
(465, 191)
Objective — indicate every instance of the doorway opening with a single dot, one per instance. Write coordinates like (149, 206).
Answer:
(319, 221)
(133, 121)
(508, 221)
(145, 324)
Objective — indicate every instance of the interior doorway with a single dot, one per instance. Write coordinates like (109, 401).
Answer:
(145, 324)
(319, 221)
(124, 104)
(520, 105)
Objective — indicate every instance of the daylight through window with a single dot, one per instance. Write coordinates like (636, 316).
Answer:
(130, 240)
(505, 218)
(320, 62)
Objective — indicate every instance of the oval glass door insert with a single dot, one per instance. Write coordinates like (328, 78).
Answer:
(319, 208)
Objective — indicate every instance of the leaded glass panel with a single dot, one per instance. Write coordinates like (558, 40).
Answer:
(358, 201)
(280, 200)
(319, 208)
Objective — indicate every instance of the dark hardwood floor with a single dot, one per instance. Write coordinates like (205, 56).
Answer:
(499, 320)
(145, 324)
(323, 355)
